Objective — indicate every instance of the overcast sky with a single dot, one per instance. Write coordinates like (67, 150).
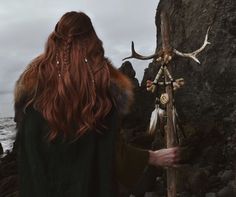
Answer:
(26, 24)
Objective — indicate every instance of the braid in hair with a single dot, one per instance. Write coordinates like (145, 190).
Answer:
(63, 65)
(66, 53)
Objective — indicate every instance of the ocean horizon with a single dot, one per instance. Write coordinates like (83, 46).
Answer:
(6, 105)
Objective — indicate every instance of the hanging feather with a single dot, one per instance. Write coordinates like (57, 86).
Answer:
(157, 116)
(153, 120)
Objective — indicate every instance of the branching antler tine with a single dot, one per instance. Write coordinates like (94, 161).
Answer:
(135, 55)
(194, 54)
(133, 52)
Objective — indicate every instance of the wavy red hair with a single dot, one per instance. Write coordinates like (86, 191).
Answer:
(73, 78)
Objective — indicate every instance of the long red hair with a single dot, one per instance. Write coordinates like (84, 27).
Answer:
(73, 78)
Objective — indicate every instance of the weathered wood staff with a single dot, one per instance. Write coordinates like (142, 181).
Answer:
(164, 107)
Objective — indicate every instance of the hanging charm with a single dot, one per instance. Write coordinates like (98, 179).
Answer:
(178, 83)
(58, 67)
(90, 71)
(164, 99)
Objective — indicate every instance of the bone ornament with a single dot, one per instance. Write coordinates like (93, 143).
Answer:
(178, 83)
(167, 59)
(151, 86)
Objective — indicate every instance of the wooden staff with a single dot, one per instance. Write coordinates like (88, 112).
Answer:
(170, 133)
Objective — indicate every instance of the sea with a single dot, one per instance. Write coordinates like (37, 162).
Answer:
(7, 133)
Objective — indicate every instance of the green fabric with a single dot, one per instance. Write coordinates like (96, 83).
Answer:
(130, 163)
(88, 167)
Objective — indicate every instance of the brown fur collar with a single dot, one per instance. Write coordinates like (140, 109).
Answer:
(121, 89)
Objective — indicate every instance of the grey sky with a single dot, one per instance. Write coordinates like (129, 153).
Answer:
(26, 24)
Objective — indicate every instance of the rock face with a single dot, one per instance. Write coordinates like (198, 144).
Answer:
(135, 122)
(128, 70)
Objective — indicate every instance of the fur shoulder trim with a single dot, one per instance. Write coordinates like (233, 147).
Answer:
(24, 91)
(26, 83)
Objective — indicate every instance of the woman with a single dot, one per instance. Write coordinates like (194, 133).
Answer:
(68, 105)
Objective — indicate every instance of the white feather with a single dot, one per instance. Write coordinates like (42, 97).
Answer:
(153, 120)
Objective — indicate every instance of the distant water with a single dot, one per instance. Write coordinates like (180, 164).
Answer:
(6, 105)
(7, 133)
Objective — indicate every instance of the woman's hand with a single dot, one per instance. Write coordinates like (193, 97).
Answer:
(168, 157)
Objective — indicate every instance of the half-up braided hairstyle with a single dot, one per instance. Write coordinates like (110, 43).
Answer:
(74, 79)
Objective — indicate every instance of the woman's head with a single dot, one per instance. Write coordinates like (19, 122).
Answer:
(73, 32)
(73, 24)
(73, 81)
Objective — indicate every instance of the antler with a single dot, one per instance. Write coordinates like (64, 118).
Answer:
(194, 54)
(138, 56)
